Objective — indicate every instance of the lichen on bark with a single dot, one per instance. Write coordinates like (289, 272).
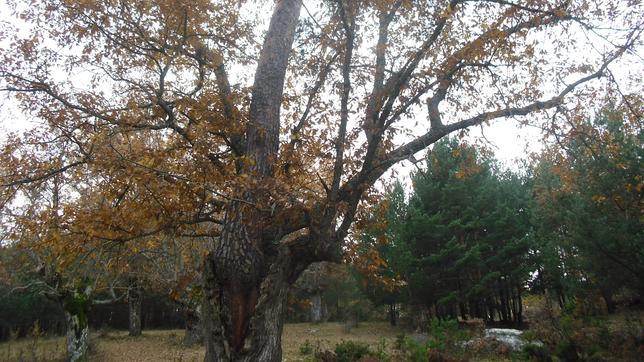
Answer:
(76, 306)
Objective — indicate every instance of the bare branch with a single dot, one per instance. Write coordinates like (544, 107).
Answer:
(349, 27)
(46, 175)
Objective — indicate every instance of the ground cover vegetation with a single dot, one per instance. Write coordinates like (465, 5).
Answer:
(212, 151)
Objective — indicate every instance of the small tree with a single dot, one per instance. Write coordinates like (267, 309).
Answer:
(379, 256)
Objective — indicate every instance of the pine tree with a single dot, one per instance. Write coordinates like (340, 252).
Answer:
(467, 228)
(590, 193)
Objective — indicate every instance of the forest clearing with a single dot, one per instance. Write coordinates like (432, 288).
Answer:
(386, 343)
(166, 345)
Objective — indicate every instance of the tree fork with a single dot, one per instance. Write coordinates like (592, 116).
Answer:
(244, 279)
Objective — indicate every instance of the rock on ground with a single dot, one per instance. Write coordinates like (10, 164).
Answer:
(511, 338)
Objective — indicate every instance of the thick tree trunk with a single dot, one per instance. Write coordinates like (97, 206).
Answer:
(316, 307)
(242, 324)
(194, 327)
(262, 136)
(76, 308)
(77, 337)
(246, 277)
(135, 297)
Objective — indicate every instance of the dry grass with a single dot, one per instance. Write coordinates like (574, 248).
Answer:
(33, 349)
(326, 336)
(155, 345)
(165, 345)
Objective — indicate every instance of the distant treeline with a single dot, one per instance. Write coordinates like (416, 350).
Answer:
(21, 311)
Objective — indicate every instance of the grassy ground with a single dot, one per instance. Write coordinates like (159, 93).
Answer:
(603, 338)
(165, 345)
(31, 349)
(326, 336)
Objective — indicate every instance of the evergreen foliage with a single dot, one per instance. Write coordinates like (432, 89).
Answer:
(588, 209)
(467, 229)
(461, 242)
(380, 257)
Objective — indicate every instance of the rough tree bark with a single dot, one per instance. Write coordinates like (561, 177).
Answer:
(194, 327)
(76, 306)
(235, 333)
(134, 299)
(77, 336)
(246, 275)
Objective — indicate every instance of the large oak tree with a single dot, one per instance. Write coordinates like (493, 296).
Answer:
(151, 117)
